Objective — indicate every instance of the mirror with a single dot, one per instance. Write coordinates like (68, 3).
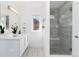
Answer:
(8, 16)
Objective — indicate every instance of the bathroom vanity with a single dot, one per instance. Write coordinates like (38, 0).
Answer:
(11, 46)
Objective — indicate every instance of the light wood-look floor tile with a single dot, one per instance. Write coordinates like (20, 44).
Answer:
(34, 52)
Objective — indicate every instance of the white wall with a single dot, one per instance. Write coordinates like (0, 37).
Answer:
(46, 31)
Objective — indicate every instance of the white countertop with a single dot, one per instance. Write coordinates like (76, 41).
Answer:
(8, 36)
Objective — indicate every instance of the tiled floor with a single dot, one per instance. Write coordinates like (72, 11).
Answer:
(34, 52)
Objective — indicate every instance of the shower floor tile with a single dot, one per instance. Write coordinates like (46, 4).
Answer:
(57, 52)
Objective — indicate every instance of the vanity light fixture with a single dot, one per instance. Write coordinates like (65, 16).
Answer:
(12, 9)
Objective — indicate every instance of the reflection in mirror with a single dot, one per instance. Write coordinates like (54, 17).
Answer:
(2, 21)
(7, 22)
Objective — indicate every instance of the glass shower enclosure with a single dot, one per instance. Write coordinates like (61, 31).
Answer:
(60, 27)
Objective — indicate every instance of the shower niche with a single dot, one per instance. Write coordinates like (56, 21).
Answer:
(60, 27)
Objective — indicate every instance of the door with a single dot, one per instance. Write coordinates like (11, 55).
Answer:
(75, 34)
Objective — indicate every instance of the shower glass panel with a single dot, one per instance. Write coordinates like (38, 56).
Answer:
(60, 28)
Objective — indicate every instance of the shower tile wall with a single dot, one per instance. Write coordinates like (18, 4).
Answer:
(54, 39)
(53, 23)
(65, 27)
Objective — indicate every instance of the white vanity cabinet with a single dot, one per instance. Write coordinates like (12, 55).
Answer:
(9, 47)
(12, 46)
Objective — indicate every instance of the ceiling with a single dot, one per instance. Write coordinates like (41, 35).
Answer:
(56, 4)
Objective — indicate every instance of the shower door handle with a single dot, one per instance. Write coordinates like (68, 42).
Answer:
(76, 36)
